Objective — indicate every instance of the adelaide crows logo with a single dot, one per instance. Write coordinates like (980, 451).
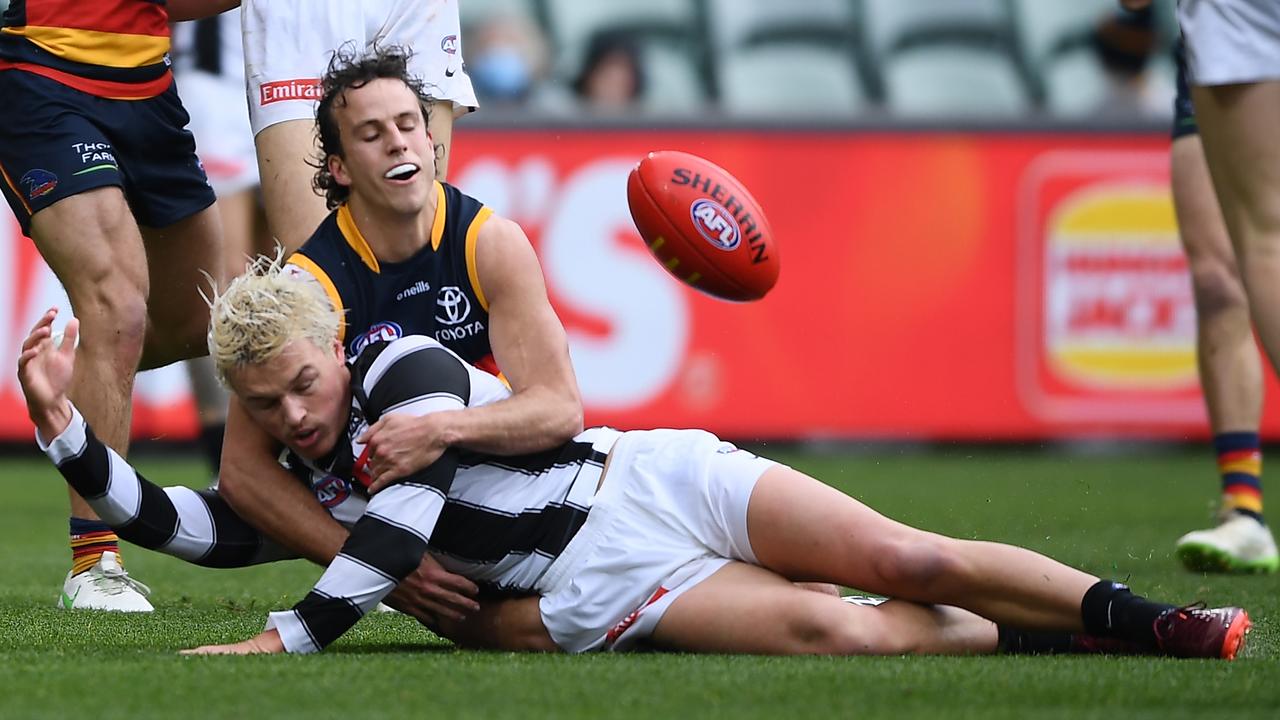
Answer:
(38, 182)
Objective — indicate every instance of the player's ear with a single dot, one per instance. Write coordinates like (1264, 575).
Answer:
(338, 169)
(338, 352)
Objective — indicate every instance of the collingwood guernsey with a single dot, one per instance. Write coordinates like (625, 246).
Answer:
(499, 521)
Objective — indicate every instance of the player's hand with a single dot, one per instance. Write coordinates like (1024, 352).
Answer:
(431, 592)
(1134, 5)
(263, 643)
(45, 370)
(400, 445)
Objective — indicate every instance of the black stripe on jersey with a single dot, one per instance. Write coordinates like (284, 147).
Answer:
(235, 542)
(384, 548)
(481, 536)
(89, 472)
(535, 463)
(326, 618)
(439, 474)
(157, 520)
(421, 373)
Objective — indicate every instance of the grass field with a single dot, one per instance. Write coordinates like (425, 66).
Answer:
(1115, 516)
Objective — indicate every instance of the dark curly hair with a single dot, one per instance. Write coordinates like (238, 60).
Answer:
(349, 69)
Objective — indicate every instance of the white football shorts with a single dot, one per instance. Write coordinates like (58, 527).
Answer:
(672, 510)
(1231, 41)
(288, 45)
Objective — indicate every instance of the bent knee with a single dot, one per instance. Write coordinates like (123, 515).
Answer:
(1218, 289)
(910, 567)
(113, 319)
(842, 631)
(174, 339)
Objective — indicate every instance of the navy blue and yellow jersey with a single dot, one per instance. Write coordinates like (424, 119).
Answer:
(434, 293)
(109, 48)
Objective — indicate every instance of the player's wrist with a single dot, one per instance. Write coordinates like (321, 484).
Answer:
(450, 428)
(53, 419)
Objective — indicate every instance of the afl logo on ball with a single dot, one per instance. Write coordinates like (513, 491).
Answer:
(715, 223)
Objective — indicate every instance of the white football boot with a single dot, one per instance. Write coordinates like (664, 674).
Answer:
(1239, 545)
(105, 586)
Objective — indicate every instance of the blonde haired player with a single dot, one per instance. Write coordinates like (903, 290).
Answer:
(669, 538)
(403, 253)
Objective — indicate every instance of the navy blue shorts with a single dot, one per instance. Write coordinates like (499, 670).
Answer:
(56, 141)
(1184, 114)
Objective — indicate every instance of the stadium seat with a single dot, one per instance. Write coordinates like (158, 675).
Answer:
(764, 81)
(1048, 27)
(660, 26)
(473, 12)
(889, 24)
(675, 84)
(737, 23)
(573, 22)
(954, 80)
(1074, 83)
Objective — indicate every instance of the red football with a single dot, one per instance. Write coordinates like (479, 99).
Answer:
(703, 225)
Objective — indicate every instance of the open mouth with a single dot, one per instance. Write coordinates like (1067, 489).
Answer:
(306, 437)
(402, 172)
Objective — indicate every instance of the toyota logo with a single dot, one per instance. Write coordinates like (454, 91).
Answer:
(453, 305)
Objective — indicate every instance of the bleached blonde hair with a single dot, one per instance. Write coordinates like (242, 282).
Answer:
(266, 308)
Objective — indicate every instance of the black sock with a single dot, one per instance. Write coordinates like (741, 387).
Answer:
(211, 443)
(1109, 609)
(1013, 641)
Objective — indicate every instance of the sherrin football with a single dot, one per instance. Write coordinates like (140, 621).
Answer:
(703, 226)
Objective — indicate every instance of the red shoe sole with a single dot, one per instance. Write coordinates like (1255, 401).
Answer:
(1236, 634)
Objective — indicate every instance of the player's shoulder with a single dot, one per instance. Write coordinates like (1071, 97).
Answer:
(326, 243)
(413, 364)
(462, 211)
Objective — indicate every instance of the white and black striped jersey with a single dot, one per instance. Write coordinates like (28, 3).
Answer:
(500, 521)
(496, 520)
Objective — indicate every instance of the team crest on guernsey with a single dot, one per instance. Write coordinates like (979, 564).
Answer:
(38, 182)
(449, 44)
(385, 330)
(715, 223)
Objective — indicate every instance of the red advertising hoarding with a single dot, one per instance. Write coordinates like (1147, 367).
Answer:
(974, 286)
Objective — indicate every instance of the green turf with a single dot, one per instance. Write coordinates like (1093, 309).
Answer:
(1115, 516)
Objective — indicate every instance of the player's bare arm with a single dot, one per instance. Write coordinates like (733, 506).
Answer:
(273, 501)
(529, 345)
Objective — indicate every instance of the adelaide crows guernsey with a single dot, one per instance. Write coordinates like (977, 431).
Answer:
(109, 48)
(434, 293)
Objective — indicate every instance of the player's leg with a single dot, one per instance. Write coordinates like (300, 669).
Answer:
(179, 257)
(92, 245)
(237, 212)
(62, 178)
(1237, 124)
(805, 530)
(510, 624)
(1230, 374)
(808, 531)
(440, 125)
(747, 609)
(294, 210)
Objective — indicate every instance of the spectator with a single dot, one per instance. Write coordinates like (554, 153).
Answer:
(612, 79)
(507, 60)
(1124, 41)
